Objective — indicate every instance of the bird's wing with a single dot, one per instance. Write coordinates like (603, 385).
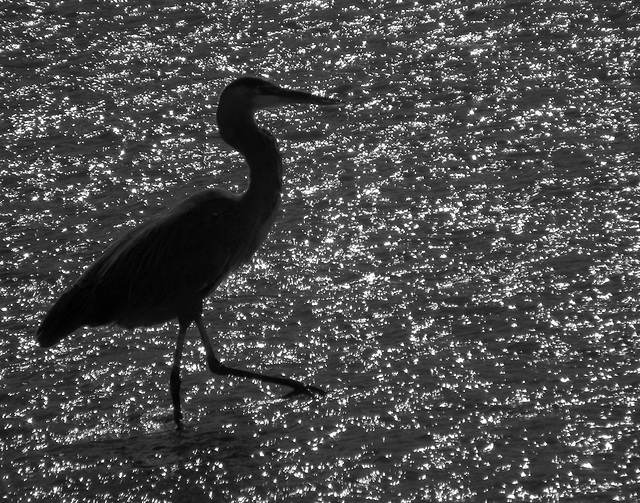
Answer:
(163, 269)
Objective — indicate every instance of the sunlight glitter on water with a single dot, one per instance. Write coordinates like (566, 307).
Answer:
(464, 275)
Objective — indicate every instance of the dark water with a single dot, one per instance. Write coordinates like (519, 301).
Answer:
(456, 260)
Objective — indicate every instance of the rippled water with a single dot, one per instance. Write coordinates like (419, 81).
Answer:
(456, 260)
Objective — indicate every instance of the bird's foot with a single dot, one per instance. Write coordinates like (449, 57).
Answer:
(304, 389)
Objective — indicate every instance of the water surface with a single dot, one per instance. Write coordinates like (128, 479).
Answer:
(456, 259)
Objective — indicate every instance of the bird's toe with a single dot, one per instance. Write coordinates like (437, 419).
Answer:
(305, 390)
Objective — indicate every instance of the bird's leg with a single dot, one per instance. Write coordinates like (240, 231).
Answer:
(218, 368)
(174, 383)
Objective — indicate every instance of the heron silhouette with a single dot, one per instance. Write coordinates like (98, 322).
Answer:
(163, 269)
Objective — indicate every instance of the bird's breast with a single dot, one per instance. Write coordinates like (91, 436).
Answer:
(256, 223)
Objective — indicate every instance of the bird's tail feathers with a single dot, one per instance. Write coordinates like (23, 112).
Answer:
(66, 315)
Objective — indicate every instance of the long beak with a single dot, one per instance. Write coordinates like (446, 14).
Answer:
(279, 96)
(293, 96)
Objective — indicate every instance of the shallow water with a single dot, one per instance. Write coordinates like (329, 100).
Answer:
(456, 259)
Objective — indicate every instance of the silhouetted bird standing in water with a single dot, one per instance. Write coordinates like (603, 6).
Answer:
(166, 267)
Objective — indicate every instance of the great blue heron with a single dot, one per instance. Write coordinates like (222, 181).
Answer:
(164, 268)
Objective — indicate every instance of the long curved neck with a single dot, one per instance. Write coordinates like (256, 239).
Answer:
(265, 164)
(260, 149)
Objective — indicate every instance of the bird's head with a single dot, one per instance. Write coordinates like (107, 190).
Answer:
(246, 95)
(253, 93)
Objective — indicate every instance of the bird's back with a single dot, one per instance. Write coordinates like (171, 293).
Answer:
(161, 270)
